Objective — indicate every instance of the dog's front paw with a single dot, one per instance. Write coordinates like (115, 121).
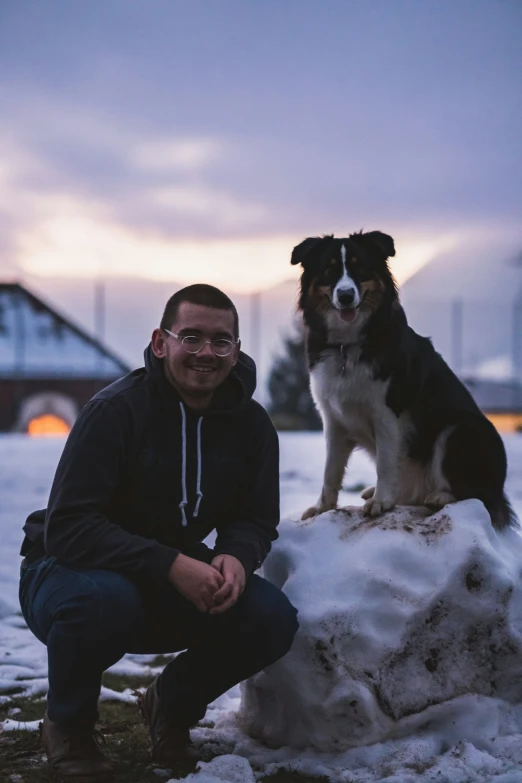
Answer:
(375, 507)
(313, 511)
(320, 508)
(439, 499)
(368, 493)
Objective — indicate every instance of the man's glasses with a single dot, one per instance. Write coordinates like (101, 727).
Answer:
(193, 344)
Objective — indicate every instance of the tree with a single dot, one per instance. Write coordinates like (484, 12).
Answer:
(291, 406)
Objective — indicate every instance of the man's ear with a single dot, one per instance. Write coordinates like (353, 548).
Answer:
(383, 242)
(235, 352)
(308, 249)
(159, 348)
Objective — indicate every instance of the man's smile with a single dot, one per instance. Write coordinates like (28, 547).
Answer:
(201, 368)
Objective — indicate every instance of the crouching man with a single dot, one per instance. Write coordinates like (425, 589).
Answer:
(116, 564)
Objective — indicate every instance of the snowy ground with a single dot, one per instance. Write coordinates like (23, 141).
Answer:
(26, 470)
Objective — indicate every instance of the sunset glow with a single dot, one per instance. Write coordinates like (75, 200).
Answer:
(70, 242)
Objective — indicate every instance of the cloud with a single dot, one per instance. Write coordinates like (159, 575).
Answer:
(206, 128)
(209, 204)
(178, 155)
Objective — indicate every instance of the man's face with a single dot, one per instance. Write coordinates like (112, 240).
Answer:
(196, 376)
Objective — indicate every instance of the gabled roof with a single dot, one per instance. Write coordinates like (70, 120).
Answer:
(38, 342)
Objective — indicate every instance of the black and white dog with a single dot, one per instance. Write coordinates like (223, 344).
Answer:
(381, 386)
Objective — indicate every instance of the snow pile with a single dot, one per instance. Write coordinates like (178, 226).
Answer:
(223, 769)
(410, 628)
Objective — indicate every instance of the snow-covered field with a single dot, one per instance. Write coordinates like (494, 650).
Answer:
(26, 470)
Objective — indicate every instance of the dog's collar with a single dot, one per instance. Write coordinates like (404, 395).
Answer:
(342, 348)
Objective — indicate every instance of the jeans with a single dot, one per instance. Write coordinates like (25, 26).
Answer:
(89, 619)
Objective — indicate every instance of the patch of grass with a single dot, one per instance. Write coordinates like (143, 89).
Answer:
(127, 746)
(31, 708)
(119, 682)
(127, 743)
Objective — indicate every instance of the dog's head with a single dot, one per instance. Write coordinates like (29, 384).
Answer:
(345, 280)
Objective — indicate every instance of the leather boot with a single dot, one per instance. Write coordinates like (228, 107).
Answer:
(171, 741)
(73, 754)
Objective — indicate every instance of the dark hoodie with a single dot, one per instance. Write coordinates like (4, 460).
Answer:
(142, 477)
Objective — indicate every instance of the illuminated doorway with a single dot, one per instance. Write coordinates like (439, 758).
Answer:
(48, 425)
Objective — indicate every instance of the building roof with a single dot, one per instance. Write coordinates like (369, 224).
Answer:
(496, 396)
(38, 342)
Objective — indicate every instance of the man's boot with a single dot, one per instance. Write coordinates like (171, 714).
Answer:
(171, 742)
(73, 754)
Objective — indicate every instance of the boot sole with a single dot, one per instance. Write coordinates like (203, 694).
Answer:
(95, 776)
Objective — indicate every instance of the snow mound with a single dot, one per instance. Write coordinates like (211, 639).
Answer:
(223, 769)
(409, 623)
(6, 609)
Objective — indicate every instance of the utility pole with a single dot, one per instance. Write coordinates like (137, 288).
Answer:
(255, 333)
(19, 334)
(99, 317)
(99, 310)
(516, 346)
(19, 343)
(457, 308)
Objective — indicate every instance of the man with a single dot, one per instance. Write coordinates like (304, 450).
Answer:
(153, 464)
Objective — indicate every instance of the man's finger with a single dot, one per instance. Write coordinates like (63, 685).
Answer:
(217, 562)
(224, 592)
(220, 608)
(217, 577)
(228, 604)
(208, 600)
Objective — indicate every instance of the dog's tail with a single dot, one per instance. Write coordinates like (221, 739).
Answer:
(502, 514)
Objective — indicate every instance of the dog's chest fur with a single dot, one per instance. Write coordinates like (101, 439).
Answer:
(345, 390)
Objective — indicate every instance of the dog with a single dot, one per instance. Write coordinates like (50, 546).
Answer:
(381, 386)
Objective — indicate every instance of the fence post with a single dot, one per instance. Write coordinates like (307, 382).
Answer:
(457, 307)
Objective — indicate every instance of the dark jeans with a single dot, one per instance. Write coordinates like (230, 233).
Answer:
(90, 618)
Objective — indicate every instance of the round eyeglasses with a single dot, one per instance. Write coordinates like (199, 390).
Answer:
(192, 343)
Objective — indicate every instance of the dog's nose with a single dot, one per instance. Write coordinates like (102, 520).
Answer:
(346, 296)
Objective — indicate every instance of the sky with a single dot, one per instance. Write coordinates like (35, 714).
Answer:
(184, 141)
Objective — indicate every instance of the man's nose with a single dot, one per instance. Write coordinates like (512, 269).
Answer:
(346, 296)
(206, 349)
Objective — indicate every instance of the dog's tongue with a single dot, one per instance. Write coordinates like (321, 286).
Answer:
(348, 314)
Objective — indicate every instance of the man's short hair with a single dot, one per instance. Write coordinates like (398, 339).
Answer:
(200, 294)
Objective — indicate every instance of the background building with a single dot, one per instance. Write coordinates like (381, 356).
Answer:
(49, 367)
(469, 301)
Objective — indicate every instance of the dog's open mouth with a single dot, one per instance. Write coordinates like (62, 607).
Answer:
(348, 314)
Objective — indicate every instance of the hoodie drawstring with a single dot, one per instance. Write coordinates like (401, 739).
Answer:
(199, 493)
(184, 500)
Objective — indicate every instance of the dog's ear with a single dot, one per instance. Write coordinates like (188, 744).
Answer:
(382, 241)
(307, 250)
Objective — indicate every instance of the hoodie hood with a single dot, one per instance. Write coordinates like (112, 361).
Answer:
(232, 395)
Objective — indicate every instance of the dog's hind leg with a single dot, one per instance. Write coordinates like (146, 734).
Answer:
(338, 450)
(437, 488)
(475, 466)
(439, 499)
